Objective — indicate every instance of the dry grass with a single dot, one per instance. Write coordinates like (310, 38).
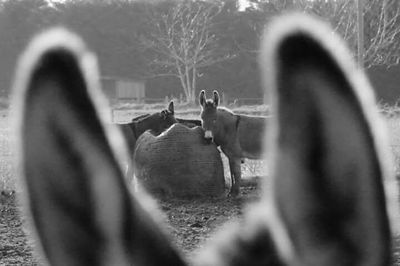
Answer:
(7, 154)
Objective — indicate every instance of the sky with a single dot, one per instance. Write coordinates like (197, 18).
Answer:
(243, 4)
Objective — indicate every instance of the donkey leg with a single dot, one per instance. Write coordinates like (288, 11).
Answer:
(234, 165)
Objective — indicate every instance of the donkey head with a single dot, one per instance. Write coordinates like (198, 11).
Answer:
(327, 205)
(169, 112)
(157, 122)
(167, 117)
(208, 114)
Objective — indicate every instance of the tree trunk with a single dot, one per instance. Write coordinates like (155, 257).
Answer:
(360, 32)
(182, 78)
(194, 77)
(188, 85)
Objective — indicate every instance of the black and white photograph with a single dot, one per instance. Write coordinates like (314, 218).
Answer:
(200, 132)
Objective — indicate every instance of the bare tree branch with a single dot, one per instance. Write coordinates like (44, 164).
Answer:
(381, 19)
(182, 42)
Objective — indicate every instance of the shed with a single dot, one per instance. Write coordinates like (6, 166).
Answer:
(117, 88)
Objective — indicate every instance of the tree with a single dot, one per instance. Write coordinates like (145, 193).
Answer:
(111, 28)
(381, 24)
(181, 42)
(381, 27)
(19, 20)
(382, 32)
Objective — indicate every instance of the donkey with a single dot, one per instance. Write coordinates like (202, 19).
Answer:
(239, 136)
(157, 123)
(328, 161)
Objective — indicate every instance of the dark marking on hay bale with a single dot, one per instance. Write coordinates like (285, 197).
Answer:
(179, 162)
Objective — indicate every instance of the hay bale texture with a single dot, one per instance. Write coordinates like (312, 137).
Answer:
(179, 162)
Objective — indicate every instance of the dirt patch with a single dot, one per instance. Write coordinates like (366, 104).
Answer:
(191, 223)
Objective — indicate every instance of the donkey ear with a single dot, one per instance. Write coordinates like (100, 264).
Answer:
(216, 98)
(202, 98)
(327, 164)
(77, 197)
(171, 107)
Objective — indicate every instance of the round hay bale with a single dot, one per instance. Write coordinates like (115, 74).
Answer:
(179, 162)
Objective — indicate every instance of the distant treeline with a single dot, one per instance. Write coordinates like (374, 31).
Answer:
(144, 40)
(115, 31)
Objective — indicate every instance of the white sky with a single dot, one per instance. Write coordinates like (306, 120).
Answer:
(243, 4)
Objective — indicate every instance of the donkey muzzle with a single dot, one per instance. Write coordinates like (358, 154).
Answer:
(208, 135)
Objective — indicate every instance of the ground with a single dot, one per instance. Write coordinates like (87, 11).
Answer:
(191, 223)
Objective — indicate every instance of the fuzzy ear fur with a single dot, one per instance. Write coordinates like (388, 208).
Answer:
(328, 161)
(78, 200)
(329, 156)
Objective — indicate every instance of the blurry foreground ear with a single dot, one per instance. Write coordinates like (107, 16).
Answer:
(77, 197)
(328, 160)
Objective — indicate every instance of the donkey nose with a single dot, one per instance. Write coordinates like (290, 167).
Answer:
(208, 135)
